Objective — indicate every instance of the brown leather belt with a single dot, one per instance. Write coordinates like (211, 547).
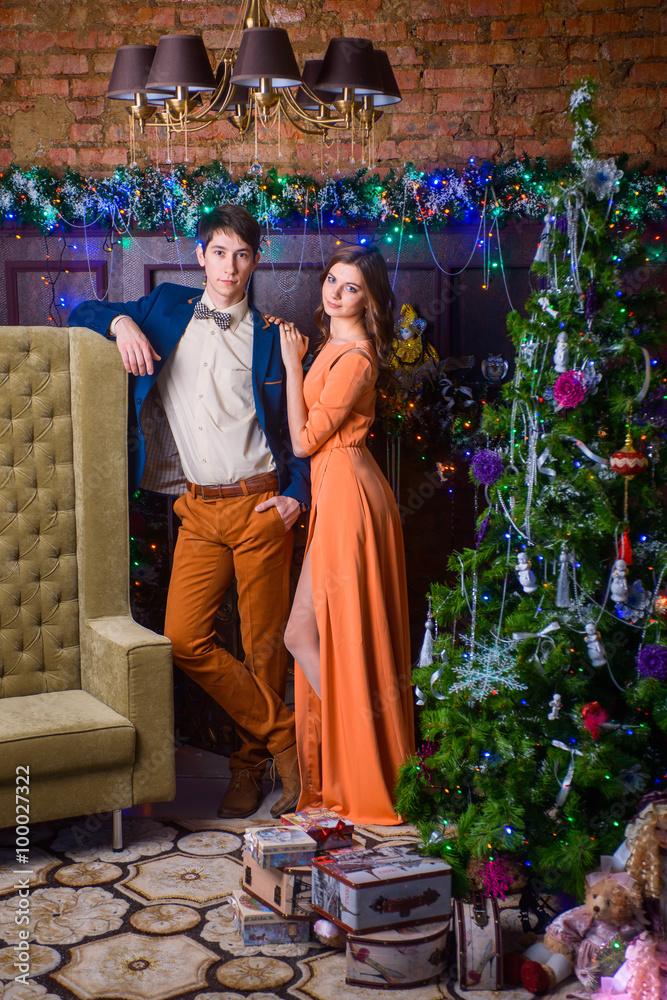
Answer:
(244, 487)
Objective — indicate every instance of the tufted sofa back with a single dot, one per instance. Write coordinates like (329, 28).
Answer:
(39, 629)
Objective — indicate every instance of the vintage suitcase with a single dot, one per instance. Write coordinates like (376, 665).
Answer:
(384, 887)
(399, 958)
(478, 943)
(277, 846)
(323, 825)
(257, 924)
(285, 890)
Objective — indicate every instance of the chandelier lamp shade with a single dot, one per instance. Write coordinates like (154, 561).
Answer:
(173, 87)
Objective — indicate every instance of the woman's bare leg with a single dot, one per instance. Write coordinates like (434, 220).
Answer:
(301, 635)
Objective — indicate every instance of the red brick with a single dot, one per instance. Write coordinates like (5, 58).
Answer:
(525, 27)
(6, 157)
(207, 15)
(539, 101)
(482, 149)
(508, 125)
(419, 149)
(528, 78)
(404, 55)
(515, 7)
(280, 14)
(614, 145)
(54, 65)
(644, 119)
(349, 10)
(463, 101)
(649, 73)
(548, 147)
(610, 24)
(85, 133)
(129, 16)
(37, 41)
(407, 79)
(426, 9)
(660, 47)
(7, 65)
(584, 25)
(626, 97)
(89, 88)
(617, 49)
(381, 32)
(643, 3)
(484, 54)
(86, 109)
(7, 108)
(11, 16)
(479, 78)
(421, 126)
(164, 18)
(62, 157)
(103, 157)
(414, 103)
(37, 88)
(583, 50)
(485, 8)
(77, 16)
(387, 151)
(600, 4)
(121, 133)
(576, 72)
(441, 32)
(9, 40)
(88, 40)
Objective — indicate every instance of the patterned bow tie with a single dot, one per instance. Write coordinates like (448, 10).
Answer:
(221, 319)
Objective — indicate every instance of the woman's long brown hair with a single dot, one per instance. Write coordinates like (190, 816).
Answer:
(379, 316)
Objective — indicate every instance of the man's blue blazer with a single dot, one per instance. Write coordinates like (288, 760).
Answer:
(163, 316)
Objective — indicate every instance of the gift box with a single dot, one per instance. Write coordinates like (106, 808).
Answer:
(278, 846)
(323, 825)
(399, 958)
(257, 924)
(285, 890)
(380, 888)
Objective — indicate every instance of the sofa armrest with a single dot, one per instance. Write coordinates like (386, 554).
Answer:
(129, 668)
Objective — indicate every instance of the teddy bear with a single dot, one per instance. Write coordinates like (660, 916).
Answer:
(574, 939)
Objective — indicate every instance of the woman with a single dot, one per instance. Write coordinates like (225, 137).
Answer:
(348, 630)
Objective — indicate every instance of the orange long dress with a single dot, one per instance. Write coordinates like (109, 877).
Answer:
(352, 742)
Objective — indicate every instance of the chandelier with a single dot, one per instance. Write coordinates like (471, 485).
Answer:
(173, 88)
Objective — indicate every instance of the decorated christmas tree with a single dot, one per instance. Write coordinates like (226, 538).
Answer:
(543, 675)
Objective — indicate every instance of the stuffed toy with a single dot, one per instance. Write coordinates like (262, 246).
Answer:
(646, 840)
(573, 940)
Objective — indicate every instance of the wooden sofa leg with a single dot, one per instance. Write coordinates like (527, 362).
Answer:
(117, 842)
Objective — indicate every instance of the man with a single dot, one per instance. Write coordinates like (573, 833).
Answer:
(209, 423)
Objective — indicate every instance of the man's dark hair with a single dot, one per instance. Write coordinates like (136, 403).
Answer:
(229, 219)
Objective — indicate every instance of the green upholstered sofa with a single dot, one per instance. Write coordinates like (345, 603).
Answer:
(85, 692)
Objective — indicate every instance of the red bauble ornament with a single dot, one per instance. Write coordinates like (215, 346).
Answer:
(629, 462)
(594, 717)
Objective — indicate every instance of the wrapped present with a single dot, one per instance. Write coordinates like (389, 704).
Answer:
(384, 887)
(257, 924)
(277, 846)
(398, 958)
(478, 943)
(323, 825)
(284, 890)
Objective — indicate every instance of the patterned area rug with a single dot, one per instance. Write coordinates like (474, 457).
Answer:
(155, 921)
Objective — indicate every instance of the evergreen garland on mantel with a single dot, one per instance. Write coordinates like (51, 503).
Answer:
(152, 200)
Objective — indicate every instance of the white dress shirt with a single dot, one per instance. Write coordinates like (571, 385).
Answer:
(206, 388)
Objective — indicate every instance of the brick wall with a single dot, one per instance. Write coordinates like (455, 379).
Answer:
(484, 78)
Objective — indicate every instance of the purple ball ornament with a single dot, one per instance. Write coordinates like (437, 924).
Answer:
(569, 389)
(652, 662)
(486, 467)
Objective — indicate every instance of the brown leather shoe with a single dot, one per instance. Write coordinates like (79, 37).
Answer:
(243, 795)
(287, 766)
